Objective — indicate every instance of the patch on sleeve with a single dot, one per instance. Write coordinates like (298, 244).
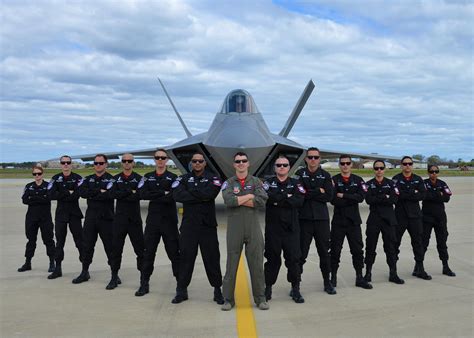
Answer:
(141, 183)
(217, 182)
(364, 186)
(396, 190)
(79, 183)
(50, 184)
(265, 185)
(224, 186)
(109, 185)
(301, 189)
(175, 183)
(333, 183)
(446, 190)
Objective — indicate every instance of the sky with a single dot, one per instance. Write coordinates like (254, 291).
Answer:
(392, 77)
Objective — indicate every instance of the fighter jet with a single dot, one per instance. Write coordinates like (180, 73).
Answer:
(238, 126)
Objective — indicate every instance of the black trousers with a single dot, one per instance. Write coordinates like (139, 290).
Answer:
(275, 243)
(93, 227)
(389, 237)
(60, 228)
(441, 233)
(32, 225)
(415, 229)
(155, 231)
(353, 233)
(205, 238)
(123, 226)
(320, 231)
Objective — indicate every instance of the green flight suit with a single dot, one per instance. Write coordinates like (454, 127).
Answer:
(243, 227)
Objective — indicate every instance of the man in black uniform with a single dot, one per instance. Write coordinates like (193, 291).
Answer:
(127, 219)
(434, 216)
(409, 217)
(99, 214)
(314, 215)
(381, 196)
(282, 230)
(349, 191)
(64, 188)
(38, 216)
(162, 219)
(197, 191)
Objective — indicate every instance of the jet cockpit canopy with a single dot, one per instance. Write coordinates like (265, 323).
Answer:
(239, 101)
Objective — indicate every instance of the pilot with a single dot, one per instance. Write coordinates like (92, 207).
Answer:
(409, 217)
(38, 216)
(64, 187)
(127, 219)
(162, 219)
(197, 191)
(314, 215)
(282, 230)
(349, 191)
(96, 189)
(434, 215)
(243, 194)
(381, 197)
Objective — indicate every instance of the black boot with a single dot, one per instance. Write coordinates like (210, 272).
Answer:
(52, 266)
(268, 292)
(295, 293)
(57, 271)
(393, 277)
(446, 270)
(361, 282)
(143, 289)
(334, 277)
(328, 288)
(83, 277)
(26, 266)
(113, 281)
(368, 273)
(181, 296)
(218, 298)
(419, 271)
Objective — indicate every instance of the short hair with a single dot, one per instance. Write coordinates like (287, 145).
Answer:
(282, 156)
(345, 156)
(102, 155)
(162, 150)
(197, 152)
(69, 157)
(240, 153)
(405, 157)
(37, 167)
(431, 166)
(312, 149)
(378, 160)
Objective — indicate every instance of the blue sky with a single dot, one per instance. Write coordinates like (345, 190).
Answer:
(393, 77)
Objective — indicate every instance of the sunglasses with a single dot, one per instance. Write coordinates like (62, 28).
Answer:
(99, 163)
(433, 171)
(344, 163)
(161, 158)
(279, 165)
(65, 162)
(407, 163)
(379, 168)
(36, 174)
(313, 157)
(240, 161)
(197, 161)
(127, 161)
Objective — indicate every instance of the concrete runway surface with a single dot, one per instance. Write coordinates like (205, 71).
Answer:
(33, 306)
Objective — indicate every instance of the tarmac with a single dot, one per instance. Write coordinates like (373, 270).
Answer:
(33, 306)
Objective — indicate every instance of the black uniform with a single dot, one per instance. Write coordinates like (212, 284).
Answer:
(282, 230)
(161, 222)
(198, 227)
(346, 220)
(314, 216)
(412, 191)
(67, 211)
(99, 216)
(127, 219)
(38, 216)
(381, 196)
(434, 216)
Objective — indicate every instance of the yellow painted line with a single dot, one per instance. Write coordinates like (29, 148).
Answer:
(246, 326)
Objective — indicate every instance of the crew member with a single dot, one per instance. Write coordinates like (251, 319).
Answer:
(197, 191)
(314, 215)
(409, 217)
(38, 216)
(243, 194)
(282, 230)
(162, 219)
(99, 214)
(127, 219)
(349, 191)
(64, 187)
(381, 196)
(434, 215)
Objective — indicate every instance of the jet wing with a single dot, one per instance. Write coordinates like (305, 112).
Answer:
(373, 156)
(141, 153)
